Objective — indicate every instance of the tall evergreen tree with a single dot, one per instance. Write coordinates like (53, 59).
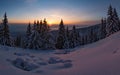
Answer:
(37, 25)
(112, 26)
(17, 42)
(83, 40)
(116, 19)
(103, 29)
(74, 37)
(41, 26)
(29, 30)
(91, 35)
(67, 32)
(34, 25)
(35, 41)
(67, 38)
(47, 40)
(5, 35)
(61, 36)
(23, 43)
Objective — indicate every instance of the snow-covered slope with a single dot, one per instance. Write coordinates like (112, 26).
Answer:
(100, 58)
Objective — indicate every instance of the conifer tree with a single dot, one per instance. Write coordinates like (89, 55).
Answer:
(112, 26)
(17, 42)
(82, 40)
(5, 35)
(86, 39)
(47, 40)
(37, 26)
(35, 41)
(103, 29)
(67, 38)
(40, 26)
(34, 25)
(61, 36)
(74, 38)
(23, 43)
(29, 31)
(116, 19)
(91, 35)
(67, 32)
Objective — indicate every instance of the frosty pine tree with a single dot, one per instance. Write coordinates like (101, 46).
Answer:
(5, 37)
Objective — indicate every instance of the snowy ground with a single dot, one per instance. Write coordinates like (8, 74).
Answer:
(100, 58)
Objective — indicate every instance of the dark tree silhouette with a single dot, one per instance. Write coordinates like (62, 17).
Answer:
(67, 38)
(5, 35)
(74, 37)
(112, 25)
(103, 28)
(116, 19)
(29, 30)
(34, 25)
(61, 36)
(17, 42)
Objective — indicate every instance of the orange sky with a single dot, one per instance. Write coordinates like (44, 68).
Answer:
(56, 21)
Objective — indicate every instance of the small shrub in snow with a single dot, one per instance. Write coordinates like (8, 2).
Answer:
(54, 60)
(24, 65)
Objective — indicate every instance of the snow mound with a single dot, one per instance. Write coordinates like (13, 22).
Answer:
(24, 65)
(55, 60)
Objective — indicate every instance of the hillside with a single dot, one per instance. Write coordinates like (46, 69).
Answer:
(100, 58)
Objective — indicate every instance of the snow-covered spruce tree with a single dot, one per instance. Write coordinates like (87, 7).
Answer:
(37, 25)
(40, 26)
(1, 33)
(47, 41)
(74, 37)
(82, 40)
(17, 41)
(116, 19)
(61, 36)
(112, 26)
(34, 25)
(23, 43)
(103, 29)
(29, 30)
(67, 38)
(34, 41)
(28, 34)
(4, 32)
(91, 35)
(86, 39)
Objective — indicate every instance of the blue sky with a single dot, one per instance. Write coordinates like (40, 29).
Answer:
(71, 11)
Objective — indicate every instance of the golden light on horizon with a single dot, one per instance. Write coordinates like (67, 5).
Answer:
(53, 17)
(52, 21)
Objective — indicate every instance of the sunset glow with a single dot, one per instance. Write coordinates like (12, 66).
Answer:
(71, 11)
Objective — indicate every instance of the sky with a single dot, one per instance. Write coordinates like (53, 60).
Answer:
(71, 11)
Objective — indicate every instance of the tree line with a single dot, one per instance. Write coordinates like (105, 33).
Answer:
(38, 36)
